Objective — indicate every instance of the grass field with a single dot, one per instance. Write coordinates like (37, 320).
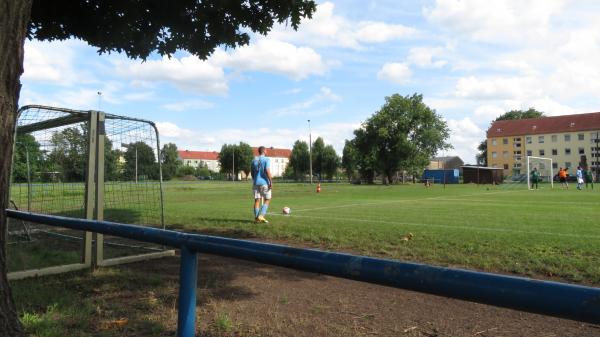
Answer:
(549, 233)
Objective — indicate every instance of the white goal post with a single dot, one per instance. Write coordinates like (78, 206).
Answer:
(544, 167)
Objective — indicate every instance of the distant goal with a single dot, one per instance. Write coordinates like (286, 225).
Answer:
(545, 171)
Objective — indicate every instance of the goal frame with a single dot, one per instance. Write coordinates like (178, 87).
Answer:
(529, 170)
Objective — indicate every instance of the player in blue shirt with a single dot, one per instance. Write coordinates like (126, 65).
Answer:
(262, 184)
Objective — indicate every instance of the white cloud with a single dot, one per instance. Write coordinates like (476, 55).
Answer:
(53, 62)
(319, 104)
(188, 73)
(508, 21)
(398, 73)
(188, 106)
(326, 29)
(465, 136)
(497, 88)
(275, 57)
(424, 57)
(488, 112)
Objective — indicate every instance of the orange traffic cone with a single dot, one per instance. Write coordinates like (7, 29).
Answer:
(318, 187)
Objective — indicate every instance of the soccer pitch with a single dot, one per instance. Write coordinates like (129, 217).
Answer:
(547, 233)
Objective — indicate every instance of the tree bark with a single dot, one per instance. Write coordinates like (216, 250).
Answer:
(14, 16)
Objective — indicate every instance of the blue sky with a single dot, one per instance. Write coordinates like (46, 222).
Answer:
(472, 60)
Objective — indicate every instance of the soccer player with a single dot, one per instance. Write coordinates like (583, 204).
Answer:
(535, 177)
(262, 184)
(579, 178)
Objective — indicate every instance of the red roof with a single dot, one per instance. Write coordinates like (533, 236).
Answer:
(544, 125)
(202, 155)
(273, 152)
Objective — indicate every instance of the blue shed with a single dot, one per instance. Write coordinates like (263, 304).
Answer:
(442, 176)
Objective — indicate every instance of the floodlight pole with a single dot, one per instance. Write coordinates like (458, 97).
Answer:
(310, 151)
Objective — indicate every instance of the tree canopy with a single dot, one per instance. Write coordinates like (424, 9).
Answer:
(402, 135)
(170, 160)
(510, 115)
(299, 160)
(139, 28)
(236, 157)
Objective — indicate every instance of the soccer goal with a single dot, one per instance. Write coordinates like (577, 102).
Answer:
(539, 171)
(82, 164)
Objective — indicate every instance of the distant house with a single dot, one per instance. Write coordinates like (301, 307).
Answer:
(448, 162)
(200, 158)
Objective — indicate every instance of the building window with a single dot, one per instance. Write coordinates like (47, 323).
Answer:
(567, 151)
(528, 139)
(580, 136)
(581, 150)
(506, 166)
(494, 141)
(505, 141)
(554, 138)
(529, 153)
(542, 152)
(540, 139)
(567, 164)
(542, 166)
(505, 154)
(554, 165)
(494, 155)
(554, 152)
(567, 138)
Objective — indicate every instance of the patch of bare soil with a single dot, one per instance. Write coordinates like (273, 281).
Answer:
(241, 298)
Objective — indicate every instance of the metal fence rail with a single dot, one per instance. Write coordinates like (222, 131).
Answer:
(544, 297)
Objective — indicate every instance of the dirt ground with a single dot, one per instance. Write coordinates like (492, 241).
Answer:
(240, 298)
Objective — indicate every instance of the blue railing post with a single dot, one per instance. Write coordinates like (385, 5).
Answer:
(188, 281)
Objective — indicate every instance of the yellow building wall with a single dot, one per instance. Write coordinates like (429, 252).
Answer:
(505, 153)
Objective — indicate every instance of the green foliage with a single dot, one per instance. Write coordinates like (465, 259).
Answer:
(402, 135)
(299, 160)
(510, 115)
(139, 28)
(238, 157)
(349, 159)
(69, 154)
(142, 154)
(170, 161)
(185, 170)
(325, 159)
(25, 147)
(112, 165)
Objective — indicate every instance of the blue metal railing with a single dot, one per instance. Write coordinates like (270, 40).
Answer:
(545, 297)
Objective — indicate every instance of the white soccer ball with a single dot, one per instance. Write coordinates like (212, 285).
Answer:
(286, 210)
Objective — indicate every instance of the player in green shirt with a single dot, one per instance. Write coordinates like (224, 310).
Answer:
(535, 177)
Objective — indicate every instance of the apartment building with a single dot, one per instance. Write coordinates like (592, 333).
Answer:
(200, 158)
(570, 140)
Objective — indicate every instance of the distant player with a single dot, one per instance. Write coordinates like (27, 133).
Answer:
(535, 177)
(262, 184)
(579, 178)
(562, 176)
(589, 178)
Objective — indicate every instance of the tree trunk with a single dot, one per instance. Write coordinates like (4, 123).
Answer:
(14, 16)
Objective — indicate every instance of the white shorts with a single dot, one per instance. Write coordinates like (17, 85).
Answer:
(580, 180)
(261, 191)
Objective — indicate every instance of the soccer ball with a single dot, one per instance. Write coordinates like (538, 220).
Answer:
(286, 211)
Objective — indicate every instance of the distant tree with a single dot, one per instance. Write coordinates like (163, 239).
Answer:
(330, 162)
(366, 155)
(69, 153)
(299, 159)
(137, 28)
(186, 170)
(170, 161)
(318, 147)
(111, 161)
(349, 159)
(243, 158)
(510, 115)
(403, 134)
(26, 146)
(143, 154)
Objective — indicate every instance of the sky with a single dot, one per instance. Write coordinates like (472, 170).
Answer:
(471, 60)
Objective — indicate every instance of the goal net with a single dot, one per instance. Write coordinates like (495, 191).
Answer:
(539, 172)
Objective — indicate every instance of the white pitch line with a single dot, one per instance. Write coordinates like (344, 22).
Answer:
(485, 229)
(395, 201)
